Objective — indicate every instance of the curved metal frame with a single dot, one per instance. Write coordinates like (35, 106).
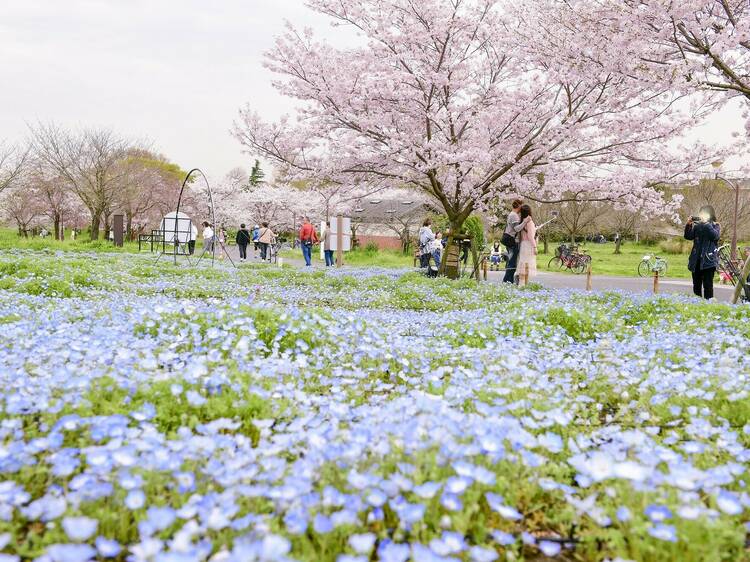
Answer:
(213, 212)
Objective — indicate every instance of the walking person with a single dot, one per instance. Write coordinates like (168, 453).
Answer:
(243, 239)
(426, 237)
(705, 232)
(208, 237)
(527, 247)
(256, 242)
(266, 237)
(327, 251)
(307, 237)
(510, 240)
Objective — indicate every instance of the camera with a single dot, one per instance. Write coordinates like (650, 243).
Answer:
(696, 218)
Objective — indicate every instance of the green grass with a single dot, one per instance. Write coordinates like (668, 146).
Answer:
(9, 240)
(362, 257)
(625, 264)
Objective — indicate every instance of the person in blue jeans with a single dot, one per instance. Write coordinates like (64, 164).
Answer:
(307, 237)
(511, 242)
(327, 245)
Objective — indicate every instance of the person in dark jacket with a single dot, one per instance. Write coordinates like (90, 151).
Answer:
(243, 238)
(704, 231)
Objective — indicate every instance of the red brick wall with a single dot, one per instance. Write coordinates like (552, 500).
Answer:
(382, 242)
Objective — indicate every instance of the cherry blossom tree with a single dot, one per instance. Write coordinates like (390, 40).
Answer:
(451, 97)
(12, 161)
(691, 44)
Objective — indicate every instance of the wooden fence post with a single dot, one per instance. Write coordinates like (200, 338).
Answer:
(484, 269)
(588, 278)
(524, 279)
(656, 281)
(339, 241)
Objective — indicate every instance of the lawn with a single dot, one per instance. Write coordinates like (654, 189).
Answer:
(166, 413)
(606, 262)
(9, 239)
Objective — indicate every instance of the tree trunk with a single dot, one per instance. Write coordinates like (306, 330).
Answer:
(617, 245)
(546, 245)
(56, 225)
(107, 226)
(128, 226)
(96, 220)
(450, 270)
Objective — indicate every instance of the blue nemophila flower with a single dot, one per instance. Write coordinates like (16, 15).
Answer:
(79, 528)
(482, 554)
(550, 548)
(135, 499)
(363, 543)
(663, 532)
(70, 552)
(107, 548)
(657, 513)
(729, 503)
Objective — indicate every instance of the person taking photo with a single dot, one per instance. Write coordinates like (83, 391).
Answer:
(705, 232)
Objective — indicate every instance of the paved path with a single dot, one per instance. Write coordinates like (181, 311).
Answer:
(633, 284)
(569, 281)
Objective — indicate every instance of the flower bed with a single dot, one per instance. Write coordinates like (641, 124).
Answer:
(154, 412)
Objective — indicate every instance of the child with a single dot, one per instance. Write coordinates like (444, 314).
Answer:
(436, 248)
(496, 256)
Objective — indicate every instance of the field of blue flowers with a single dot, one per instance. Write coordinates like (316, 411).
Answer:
(152, 412)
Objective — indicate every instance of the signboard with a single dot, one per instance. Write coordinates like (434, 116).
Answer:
(180, 224)
(346, 234)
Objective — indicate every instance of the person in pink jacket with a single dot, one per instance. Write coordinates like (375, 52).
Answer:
(527, 252)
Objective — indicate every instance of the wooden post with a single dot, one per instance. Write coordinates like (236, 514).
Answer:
(656, 281)
(339, 241)
(524, 279)
(588, 278)
(740, 286)
(117, 228)
(484, 269)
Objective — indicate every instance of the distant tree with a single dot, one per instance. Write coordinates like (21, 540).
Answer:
(12, 160)
(578, 218)
(21, 205)
(256, 175)
(89, 161)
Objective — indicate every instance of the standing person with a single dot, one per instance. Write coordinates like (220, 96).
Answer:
(193, 236)
(705, 232)
(436, 248)
(425, 239)
(510, 240)
(256, 242)
(266, 237)
(527, 249)
(327, 251)
(243, 239)
(208, 237)
(307, 237)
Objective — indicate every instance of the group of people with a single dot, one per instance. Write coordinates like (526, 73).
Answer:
(431, 245)
(519, 238)
(262, 237)
(308, 238)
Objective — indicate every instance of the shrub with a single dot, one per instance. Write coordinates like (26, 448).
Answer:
(675, 246)
(371, 249)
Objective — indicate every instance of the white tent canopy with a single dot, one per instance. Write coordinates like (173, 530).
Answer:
(178, 223)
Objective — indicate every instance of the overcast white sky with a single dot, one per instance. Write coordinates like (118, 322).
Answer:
(174, 72)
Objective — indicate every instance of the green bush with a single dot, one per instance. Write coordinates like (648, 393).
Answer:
(675, 246)
(371, 249)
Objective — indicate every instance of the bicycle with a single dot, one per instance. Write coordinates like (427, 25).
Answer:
(568, 256)
(651, 264)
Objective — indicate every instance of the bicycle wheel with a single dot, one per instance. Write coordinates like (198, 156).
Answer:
(580, 266)
(644, 268)
(661, 267)
(555, 263)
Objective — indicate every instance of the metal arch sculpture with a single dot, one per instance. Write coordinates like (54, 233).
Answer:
(212, 209)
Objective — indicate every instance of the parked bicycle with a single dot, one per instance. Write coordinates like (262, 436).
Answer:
(651, 264)
(731, 270)
(567, 256)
